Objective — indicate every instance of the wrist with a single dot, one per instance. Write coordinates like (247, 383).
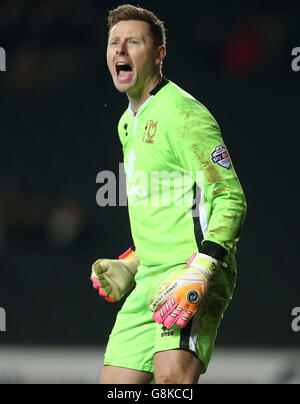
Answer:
(132, 264)
(200, 261)
(213, 250)
(130, 253)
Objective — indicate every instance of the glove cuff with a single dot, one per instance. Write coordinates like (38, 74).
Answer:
(199, 260)
(131, 261)
(130, 253)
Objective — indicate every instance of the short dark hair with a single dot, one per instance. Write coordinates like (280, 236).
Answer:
(128, 12)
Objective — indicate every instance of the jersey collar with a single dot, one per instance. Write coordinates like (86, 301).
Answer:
(135, 114)
(160, 85)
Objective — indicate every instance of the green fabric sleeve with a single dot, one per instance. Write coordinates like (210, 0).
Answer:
(195, 136)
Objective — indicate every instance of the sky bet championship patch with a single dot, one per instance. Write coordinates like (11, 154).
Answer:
(220, 156)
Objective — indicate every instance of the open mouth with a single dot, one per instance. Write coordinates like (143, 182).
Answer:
(123, 67)
(124, 71)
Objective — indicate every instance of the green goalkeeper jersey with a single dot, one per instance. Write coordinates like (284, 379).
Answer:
(183, 193)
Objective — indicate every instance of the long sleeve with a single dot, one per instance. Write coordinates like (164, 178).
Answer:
(198, 144)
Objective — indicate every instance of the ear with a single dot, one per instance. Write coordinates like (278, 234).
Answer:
(160, 55)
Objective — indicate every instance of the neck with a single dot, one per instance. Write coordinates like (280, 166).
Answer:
(138, 97)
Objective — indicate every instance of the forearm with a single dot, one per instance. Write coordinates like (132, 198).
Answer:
(226, 222)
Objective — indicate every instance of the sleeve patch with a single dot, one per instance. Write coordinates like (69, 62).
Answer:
(221, 157)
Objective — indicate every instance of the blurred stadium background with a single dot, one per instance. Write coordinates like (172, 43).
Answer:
(59, 114)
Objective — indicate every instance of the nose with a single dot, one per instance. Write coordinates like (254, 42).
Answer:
(121, 49)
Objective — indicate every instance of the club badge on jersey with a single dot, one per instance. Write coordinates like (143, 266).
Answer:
(221, 157)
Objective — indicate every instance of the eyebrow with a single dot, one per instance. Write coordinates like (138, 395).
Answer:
(142, 38)
(127, 37)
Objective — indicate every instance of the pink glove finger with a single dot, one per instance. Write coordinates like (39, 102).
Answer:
(157, 317)
(96, 284)
(104, 295)
(184, 318)
(173, 317)
(162, 314)
(110, 299)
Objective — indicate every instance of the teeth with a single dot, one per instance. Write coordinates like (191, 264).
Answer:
(121, 64)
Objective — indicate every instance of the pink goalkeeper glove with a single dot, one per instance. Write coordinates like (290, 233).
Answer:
(114, 278)
(180, 296)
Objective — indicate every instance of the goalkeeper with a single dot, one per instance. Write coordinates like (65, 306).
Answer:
(186, 209)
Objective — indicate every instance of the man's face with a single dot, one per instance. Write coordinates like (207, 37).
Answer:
(131, 56)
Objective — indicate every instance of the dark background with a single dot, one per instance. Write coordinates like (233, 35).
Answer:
(58, 129)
